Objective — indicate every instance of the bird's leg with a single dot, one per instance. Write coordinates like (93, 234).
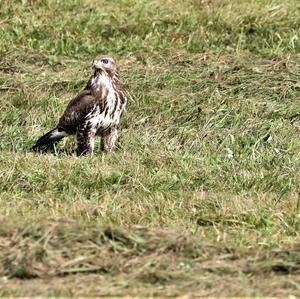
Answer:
(109, 139)
(85, 140)
(85, 144)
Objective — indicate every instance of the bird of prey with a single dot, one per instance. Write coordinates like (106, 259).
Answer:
(94, 111)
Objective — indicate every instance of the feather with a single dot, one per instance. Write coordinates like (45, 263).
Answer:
(48, 139)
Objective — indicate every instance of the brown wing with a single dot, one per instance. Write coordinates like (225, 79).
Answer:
(76, 111)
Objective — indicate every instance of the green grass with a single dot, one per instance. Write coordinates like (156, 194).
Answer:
(203, 190)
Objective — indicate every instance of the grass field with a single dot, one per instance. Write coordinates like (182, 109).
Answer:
(201, 197)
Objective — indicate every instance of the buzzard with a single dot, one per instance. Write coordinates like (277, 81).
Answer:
(94, 111)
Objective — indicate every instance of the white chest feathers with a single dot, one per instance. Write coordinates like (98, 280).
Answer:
(100, 119)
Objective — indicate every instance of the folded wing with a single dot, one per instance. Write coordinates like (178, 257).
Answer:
(76, 112)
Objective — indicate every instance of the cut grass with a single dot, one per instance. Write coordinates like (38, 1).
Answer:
(149, 262)
(208, 150)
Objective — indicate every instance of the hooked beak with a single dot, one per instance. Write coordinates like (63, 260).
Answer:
(97, 65)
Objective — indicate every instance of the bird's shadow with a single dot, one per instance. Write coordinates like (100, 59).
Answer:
(63, 152)
(56, 151)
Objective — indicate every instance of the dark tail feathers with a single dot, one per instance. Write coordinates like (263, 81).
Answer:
(49, 139)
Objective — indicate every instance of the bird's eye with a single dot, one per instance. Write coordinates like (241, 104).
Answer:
(105, 61)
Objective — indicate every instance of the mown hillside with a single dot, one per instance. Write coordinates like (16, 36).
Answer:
(202, 194)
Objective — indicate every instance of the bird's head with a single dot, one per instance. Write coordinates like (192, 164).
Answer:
(105, 63)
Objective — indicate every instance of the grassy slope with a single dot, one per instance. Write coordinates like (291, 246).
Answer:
(209, 149)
